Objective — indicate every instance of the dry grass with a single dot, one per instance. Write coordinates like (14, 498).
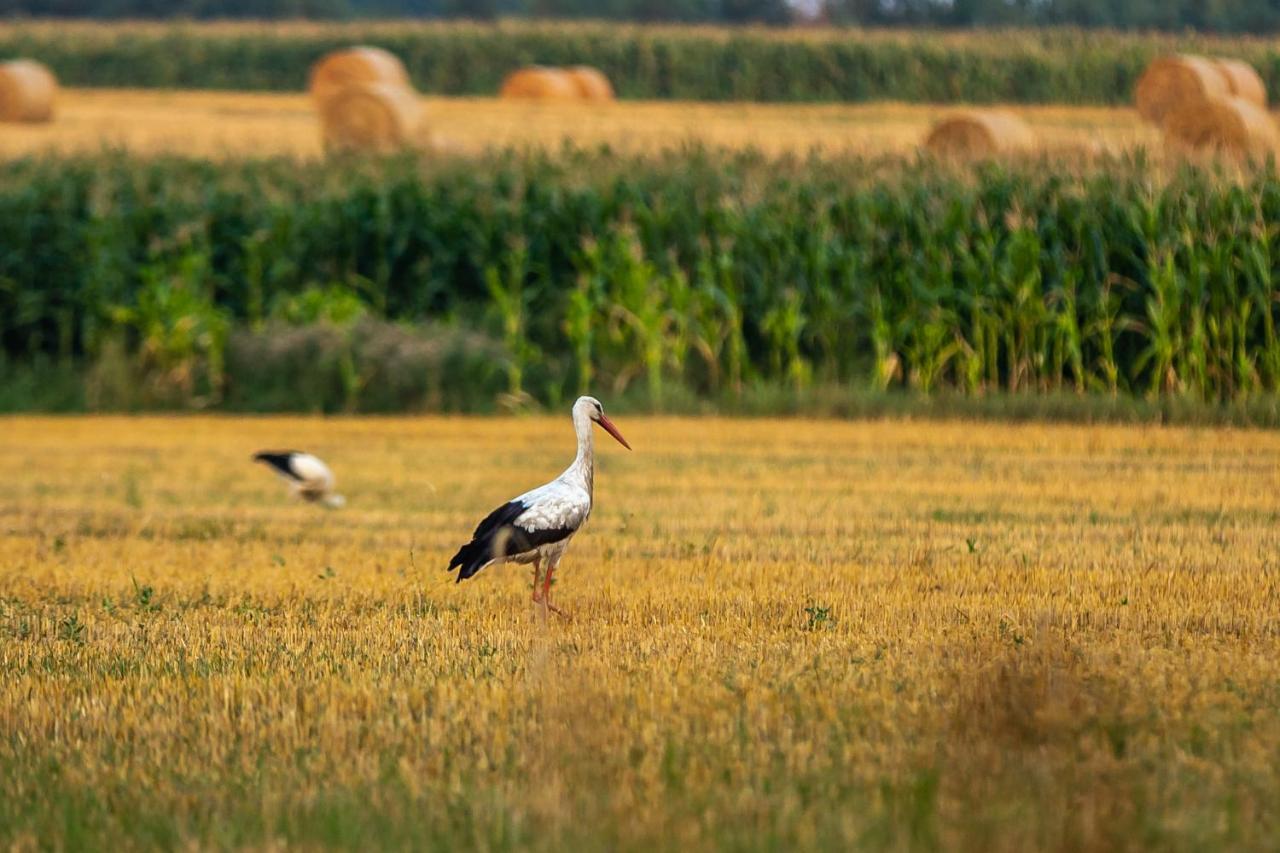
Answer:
(240, 124)
(787, 634)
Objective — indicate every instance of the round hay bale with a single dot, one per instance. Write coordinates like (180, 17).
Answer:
(539, 83)
(979, 133)
(370, 117)
(591, 83)
(1228, 125)
(1243, 81)
(27, 91)
(1171, 81)
(353, 66)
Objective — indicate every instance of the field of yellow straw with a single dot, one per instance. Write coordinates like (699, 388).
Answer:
(254, 124)
(887, 635)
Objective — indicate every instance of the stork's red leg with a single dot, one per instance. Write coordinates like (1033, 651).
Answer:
(537, 593)
(546, 592)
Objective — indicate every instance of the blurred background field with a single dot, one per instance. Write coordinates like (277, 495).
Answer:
(800, 634)
(240, 124)
(646, 62)
(765, 219)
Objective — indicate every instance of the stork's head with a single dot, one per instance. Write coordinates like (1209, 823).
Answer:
(590, 408)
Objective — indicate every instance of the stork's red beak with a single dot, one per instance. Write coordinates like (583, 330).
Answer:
(612, 430)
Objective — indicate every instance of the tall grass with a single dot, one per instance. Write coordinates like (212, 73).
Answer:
(702, 63)
(698, 270)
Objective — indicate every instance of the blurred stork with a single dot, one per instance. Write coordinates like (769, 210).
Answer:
(308, 477)
(537, 526)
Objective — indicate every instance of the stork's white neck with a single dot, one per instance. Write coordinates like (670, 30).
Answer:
(582, 471)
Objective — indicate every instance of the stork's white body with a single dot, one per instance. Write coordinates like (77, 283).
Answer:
(562, 504)
(307, 476)
(537, 526)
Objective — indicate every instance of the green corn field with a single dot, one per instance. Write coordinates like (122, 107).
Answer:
(698, 272)
(692, 63)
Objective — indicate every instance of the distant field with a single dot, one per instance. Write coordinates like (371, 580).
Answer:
(239, 124)
(787, 634)
(725, 64)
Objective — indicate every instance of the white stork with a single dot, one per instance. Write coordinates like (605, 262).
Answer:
(307, 476)
(537, 526)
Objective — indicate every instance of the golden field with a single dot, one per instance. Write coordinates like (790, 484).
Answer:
(786, 634)
(217, 124)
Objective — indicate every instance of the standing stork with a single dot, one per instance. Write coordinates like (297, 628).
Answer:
(537, 526)
(307, 476)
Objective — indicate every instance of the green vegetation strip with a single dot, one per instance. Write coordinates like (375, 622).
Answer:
(701, 63)
(692, 276)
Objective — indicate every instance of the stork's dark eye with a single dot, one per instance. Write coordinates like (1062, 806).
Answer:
(599, 409)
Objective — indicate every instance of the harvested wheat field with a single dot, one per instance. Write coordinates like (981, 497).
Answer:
(786, 634)
(252, 124)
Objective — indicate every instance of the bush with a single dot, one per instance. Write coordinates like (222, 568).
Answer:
(371, 366)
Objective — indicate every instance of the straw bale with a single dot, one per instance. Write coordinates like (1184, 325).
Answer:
(27, 91)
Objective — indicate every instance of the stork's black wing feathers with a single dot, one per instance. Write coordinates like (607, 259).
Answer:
(499, 536)
(494, 521)
(279, 460)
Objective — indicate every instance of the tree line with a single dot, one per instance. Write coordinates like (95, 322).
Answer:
(1225, 16)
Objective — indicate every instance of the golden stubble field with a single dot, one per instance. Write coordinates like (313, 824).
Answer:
(787, 634)
(236, 124)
